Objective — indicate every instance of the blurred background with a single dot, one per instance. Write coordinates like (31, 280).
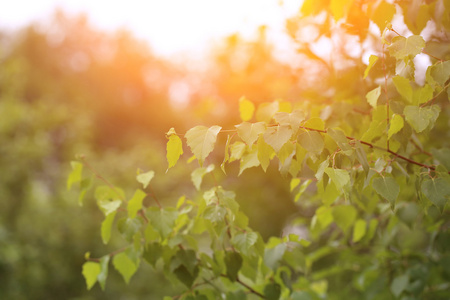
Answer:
(107, 79)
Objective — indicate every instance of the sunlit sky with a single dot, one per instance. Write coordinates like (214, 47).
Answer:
(170, 26)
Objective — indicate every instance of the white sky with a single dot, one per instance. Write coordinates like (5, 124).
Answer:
(170, 26)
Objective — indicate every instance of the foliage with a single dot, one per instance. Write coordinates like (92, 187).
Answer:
(372, 168)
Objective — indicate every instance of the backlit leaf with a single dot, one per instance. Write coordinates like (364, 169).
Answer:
(383, 14)
(249, 132)
(265, 153)
(198, 174)
(249, 160)
(174, 150)
(373, 95)
(124, 265)
(402, 47)
(226, 155)
(145, 178)
(237, 150)
(265, 111)
(422, 94)
(292, 119)
(338, 176)
(439, 72)
(201, 140)
(372, 60)
(246, 109)
(277, 136)
(312, 141)
(109, 206)
(302, 189)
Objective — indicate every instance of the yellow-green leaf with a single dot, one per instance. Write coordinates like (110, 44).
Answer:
(174, 150)
(246, 109)
(359, 230)
(249, 160)
(90, 272)
(265, 153)
(106, 227)
(76, 174)
(201, 140)
(124, 265)
(403, 48)
(395, 125)
(135, 203)
(372, 60)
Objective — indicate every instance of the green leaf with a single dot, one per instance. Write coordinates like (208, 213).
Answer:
(135, 203)
(145, 178)
(277, 136)
(341, 140)
(403, 87)
(291, 119)
(174, 149)
(383, 14)
(372, 60)
(395, 125)
(233, 262)
(163, 220)
(387, 188)
(201, 140)
(246, 109)
(359, 230)
(312, 141)
(339, 177)
(152, 252)
(344, 216)
(90, 272)
(104, 262)
(76, 174)
(265, 111)
(198, 174)
(399, 284)
(243, 241)
(249, 132)
(406, 48)
(185, 276)
(249, 160)
(443, 156)
(124, 265)
(437, 191)
(105, 192)
(421, 118)
(106, 227)
(272, 291)
(372, 96)
(273, 255)
(324, 216)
